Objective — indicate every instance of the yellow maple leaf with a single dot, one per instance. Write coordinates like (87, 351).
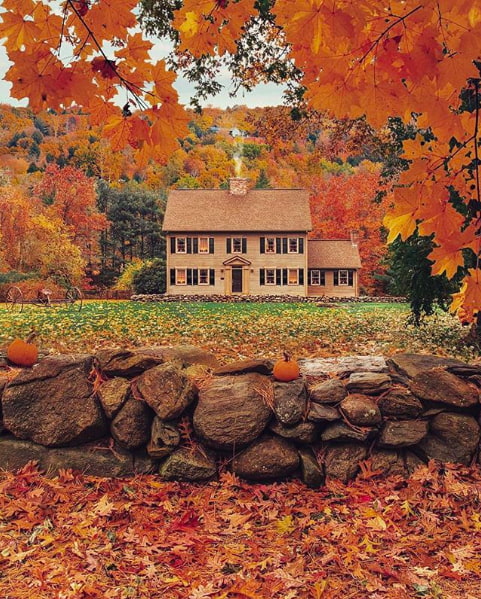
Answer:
(118, 130)
(18, 30)
(401, 219)
(469, 296)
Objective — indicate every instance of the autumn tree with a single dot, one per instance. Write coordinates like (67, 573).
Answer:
(378, 59)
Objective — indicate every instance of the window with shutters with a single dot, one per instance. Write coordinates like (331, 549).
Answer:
(293, 245)
(270, 247)
(237, 245)
(343, 277)
(181, 245)
(203, 245)
(270, 276)
(317, 277)
(203, 276)
(293, 276)
(181, 276)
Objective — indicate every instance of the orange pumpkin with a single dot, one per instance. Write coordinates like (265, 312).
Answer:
(286, 370)
(23, 353)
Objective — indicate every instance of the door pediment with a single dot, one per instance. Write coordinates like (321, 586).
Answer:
(236, 261)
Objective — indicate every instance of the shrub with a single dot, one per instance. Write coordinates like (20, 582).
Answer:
(151, 277)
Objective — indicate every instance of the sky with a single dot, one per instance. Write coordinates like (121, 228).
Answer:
(263, 95)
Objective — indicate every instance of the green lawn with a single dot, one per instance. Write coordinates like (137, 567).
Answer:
(236, 330)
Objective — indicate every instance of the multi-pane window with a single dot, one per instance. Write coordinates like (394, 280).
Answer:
(180, 276)
(317, 277)
(203, 245)
(237, 245)
(203, 276)
(293, 245)
(181, 245)
(343, 277)
(293, 276)
(270, 276)
(270, 247)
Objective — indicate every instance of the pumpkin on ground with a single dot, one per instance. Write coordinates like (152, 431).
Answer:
(23, 353)
(286, 370)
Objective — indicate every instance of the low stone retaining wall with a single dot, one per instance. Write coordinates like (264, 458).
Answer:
(177, 413)
(265, 298)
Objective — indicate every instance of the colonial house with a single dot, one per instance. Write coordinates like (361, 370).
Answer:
(252, 242)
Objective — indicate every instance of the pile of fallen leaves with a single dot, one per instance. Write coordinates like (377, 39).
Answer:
(80, 537)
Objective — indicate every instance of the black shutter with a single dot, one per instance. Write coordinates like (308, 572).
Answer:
(351, 278)
(301, 276)
(189, 245)
(263, 245)
(322, 277)
(189, 276)
(278, 276)
(172, 245)
(309, 279)
(278, 245)
(229, 245)
(195, 276)
(211, 276)
(195, 245)
(244, 245)
(301, 245)
(262, 276)
(336, 277)
(284, 276)
(172, 276)
(284, 245)
(211, 245)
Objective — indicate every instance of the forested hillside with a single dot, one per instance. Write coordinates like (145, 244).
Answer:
(73, 209)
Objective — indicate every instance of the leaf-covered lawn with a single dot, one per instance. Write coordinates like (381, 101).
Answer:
(234, 331)
(80, 537)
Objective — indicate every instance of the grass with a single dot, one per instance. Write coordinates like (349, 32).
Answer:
(235, 331)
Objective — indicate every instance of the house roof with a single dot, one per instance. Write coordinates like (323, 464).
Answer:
(214, 210)
(332, 253)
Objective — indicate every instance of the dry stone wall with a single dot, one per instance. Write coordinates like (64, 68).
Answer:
(177, 413)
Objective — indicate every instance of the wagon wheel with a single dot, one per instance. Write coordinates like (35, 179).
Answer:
(14, 299)
(73, 295)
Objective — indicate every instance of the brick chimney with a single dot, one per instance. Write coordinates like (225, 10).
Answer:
(238, 186)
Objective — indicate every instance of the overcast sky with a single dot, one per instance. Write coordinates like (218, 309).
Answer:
(264, 95)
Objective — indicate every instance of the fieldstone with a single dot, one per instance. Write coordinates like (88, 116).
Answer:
(164, 438)
(187, 355)
(402, 433)
(303, 432)
(243, 366)
(340, 431)
(290, 401)
(188, 465)
(388, 462)
(342, 461)
(166, 389)
(266, 459)
(14, 453)
(131, 427)
(144, 463)
(232, 410)
(360, 410)
(441, 386)
(311, 472)
(465, 370)
(330, 392)
(369, 383)
(399, 402)
(126, 363)
(91, 460)
(453, 437)
(113, 394)
(320, 413)
(53, 403)
(343, 365)
(409, 365)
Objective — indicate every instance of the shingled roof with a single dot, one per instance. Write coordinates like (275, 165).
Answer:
(332, 253)
(214, 210)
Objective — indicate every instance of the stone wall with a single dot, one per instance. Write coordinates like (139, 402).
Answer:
(177, 413)
(318, 299)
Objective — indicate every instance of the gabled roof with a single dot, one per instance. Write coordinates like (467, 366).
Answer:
(332, 253)
(191, 210)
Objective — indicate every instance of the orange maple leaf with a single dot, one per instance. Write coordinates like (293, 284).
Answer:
(118, 130)
(401, 220)
(18, 30)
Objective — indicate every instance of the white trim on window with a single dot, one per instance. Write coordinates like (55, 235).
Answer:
(181, 245)
(293, 276)
(270, 276)
(181, 276)
(237, 245)
(343, 277)
(315, 277)
(292, 245)
(270, 245)
(203, 245)
(203, 276)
